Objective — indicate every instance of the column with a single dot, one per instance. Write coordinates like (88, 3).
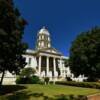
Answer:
(60, 63)
(64, 75)
(39, 65)
(54, 66)
(47, 66)
(64, 68)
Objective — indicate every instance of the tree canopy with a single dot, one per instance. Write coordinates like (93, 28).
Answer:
(27, 72)
(11, 31)
(85, 54)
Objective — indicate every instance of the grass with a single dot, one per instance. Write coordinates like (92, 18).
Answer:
(45, 92)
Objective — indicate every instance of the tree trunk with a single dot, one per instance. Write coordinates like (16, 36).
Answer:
(2, 77)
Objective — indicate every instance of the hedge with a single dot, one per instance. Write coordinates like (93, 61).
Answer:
(80, 84)
(28, 80)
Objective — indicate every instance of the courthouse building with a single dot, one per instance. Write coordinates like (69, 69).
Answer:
(46, 60)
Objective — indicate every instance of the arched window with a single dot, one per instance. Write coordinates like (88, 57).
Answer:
(48, 44)
(42, 44)
(48, 39)
(42, 36)
(39, 37)
(39, 43)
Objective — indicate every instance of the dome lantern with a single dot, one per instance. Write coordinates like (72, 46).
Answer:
(43, 39)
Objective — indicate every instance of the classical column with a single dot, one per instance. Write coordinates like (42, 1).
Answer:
(39, 65)
(64, 68)
(47, 66)
(60, 65)
(54, 66)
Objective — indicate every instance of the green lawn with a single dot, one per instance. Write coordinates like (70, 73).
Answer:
(42, 92)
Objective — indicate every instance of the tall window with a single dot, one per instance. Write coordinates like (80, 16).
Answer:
(48, 39)
(42, 44)
(42, 36)
(48, 44)
(39, 43)
(29, 61)
(24, 58)
(39, 37)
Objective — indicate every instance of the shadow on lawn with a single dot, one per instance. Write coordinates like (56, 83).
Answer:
(5, 89)
(23, 95)
(70, 97)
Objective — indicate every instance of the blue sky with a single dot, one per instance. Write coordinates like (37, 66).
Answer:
(64, 19)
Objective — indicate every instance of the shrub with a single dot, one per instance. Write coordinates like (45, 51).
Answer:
(27, 80)
(46, 80)
(35, 79)
(27, 76)
(22, 80)
(68, 78)
(80, 84)
(89, 79)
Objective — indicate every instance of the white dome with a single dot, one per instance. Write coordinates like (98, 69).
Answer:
(44, 31)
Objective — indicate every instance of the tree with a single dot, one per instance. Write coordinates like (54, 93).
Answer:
(85, 54)
(27, 72)
(27, 76)
(11, 45)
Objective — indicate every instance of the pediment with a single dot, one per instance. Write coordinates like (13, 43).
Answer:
(50, 50)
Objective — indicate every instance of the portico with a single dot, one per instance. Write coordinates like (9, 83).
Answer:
(51, 67)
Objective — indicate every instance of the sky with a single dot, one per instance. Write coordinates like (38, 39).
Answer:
(64, 19)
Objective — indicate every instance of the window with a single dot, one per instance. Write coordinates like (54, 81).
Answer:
(48, 44)
(39, 44)
(29, 61)
(24, 58)
(42, 36)
(48, 39)
(42, 44)
(39, 37)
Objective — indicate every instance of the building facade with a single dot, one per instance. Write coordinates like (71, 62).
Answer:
(46, 60)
